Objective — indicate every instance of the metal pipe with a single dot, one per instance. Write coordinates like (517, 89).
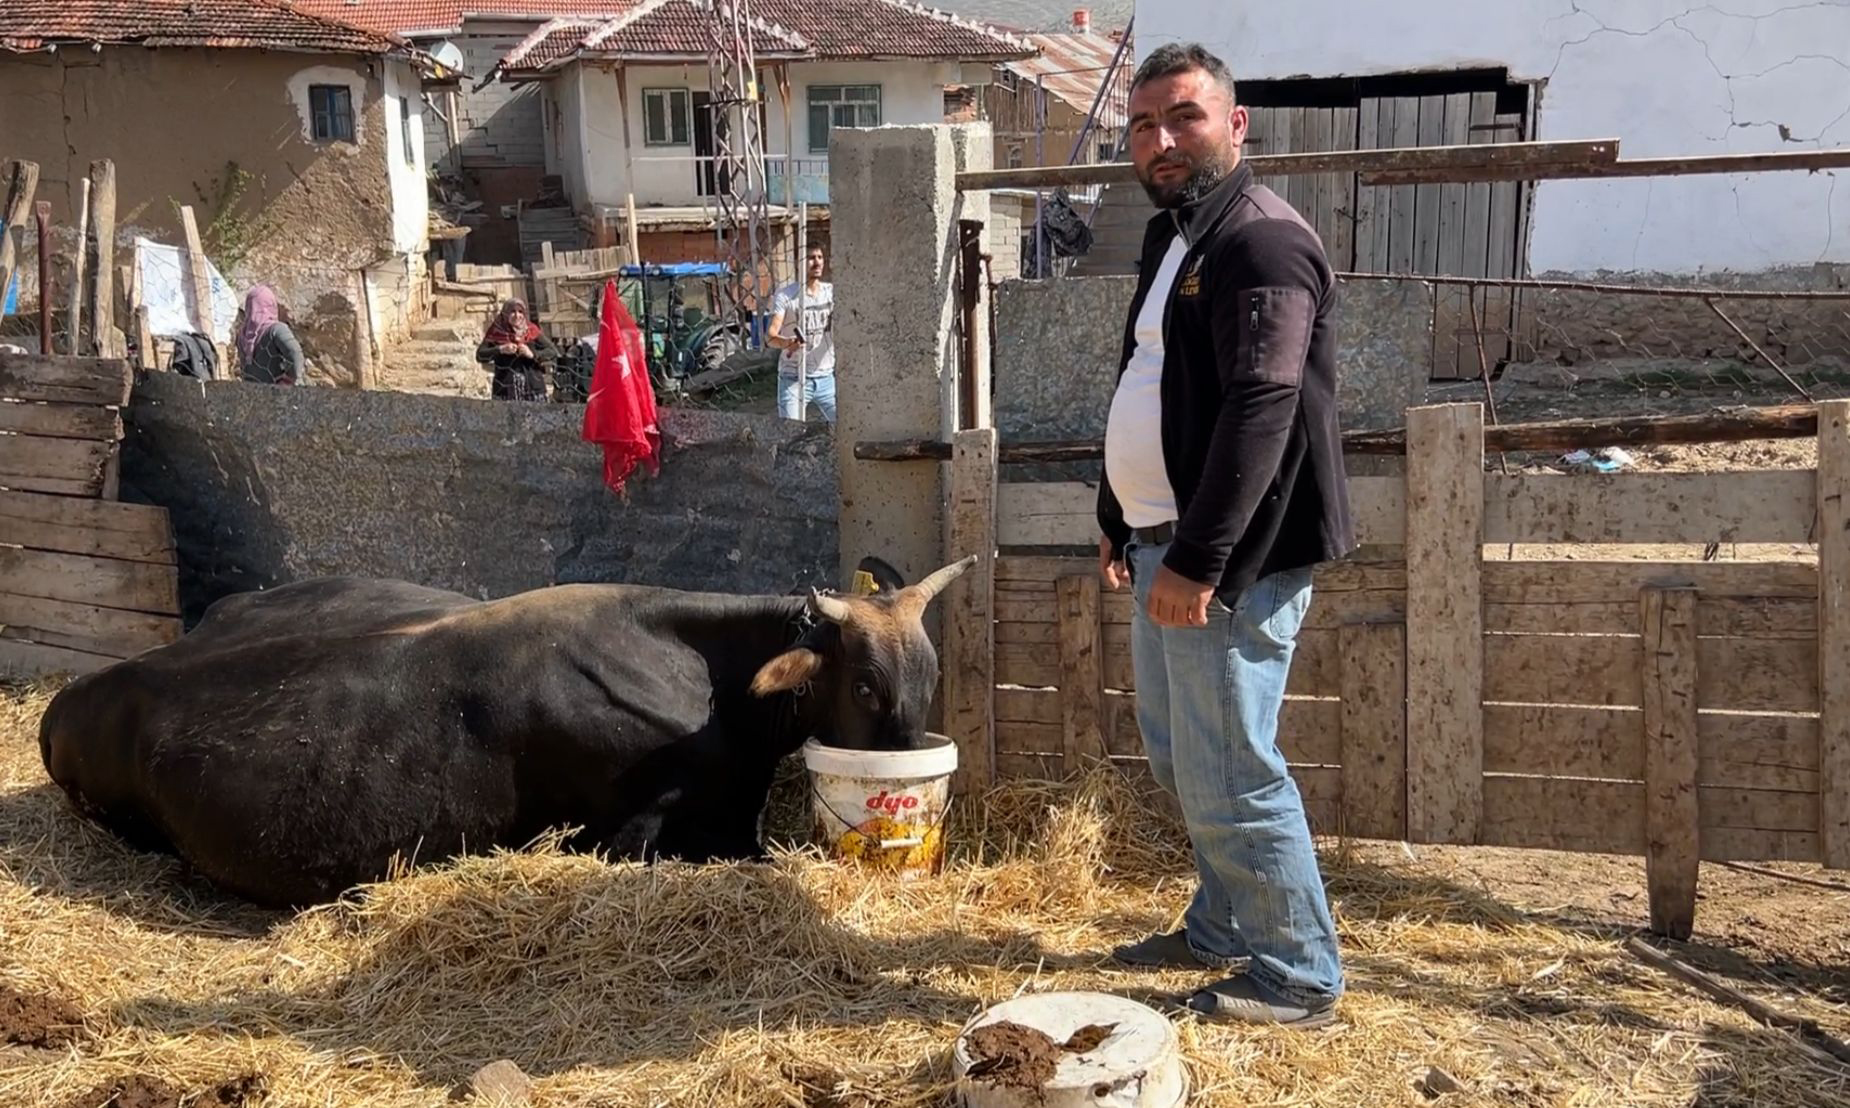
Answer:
(1104, 86)
(802, 307)
(969, 274)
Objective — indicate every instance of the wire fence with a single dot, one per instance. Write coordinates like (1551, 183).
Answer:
(1539, 349)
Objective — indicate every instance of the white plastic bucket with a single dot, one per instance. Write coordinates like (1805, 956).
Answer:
(1138, 1065)
(883, 809)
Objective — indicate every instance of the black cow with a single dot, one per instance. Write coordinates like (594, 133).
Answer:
(298, 739)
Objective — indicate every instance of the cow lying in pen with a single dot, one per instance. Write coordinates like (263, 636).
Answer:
(298, 738)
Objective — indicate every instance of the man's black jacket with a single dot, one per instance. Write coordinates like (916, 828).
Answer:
(1250, 436)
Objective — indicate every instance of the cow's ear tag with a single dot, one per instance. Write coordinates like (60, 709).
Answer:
(864, 583)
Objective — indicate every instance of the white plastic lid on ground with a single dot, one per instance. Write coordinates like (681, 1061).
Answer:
(1139, 1065)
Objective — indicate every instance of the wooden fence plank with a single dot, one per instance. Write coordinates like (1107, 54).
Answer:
(101, 528)
(31, 659)
(1759, 809)
(1029, 721)
(1555, 669)
(1673, 834)
(1760, 506)
(970, 649)
(199, 277)
(1778, 752)
(68, 467)
(102, 287)
(1445, 641)
(22, 185)
(1731, 844)
(1082, 675)
(1834, 630)
(1554, 813)
(1374, 730)
(85, 627)
(104, 582)
(1028, 573)
(1558, 740)
(1749, 675)
(1065, 513)
(65, 380)
(62, 421)
(1618, 582)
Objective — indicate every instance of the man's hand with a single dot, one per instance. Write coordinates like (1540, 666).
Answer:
(1175, 601)
(1112, 572)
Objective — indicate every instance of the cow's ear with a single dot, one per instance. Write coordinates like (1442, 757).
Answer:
(789, 670)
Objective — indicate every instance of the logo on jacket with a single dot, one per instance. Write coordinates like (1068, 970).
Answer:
(1191, 281)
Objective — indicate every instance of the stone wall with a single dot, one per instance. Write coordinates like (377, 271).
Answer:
(268, 485)
(1058, 343)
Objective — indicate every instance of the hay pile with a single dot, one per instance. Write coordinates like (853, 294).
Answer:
(800, 984)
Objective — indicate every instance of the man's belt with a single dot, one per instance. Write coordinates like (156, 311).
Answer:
(1154, 536)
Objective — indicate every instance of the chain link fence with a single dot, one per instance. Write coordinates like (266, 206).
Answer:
(1540, 349)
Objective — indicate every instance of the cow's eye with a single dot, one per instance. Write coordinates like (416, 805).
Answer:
(863, 691)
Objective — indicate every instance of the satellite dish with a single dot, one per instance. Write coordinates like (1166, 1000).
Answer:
(447, 53)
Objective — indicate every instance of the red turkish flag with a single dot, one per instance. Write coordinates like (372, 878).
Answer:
(620, 412)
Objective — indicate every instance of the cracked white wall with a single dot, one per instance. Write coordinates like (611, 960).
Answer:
(1665, 78)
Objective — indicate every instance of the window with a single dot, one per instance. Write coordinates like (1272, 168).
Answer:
(331, 109)
(667, 117)
(404, 129)
(840, 106)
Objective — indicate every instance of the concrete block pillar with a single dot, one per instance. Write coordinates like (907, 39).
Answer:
(893, 215)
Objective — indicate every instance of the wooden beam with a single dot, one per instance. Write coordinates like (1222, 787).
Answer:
(1445, 623)
(74, 313)
(1528, 156)
(62, 421)
(1834, 630)
(199, 278)
(1790, 421)
(106, 337)
(969, 633)
(1812, 161)
(1374, 730)
(1673, 831)
(1082, 674)
(63, 380)
(22, 185)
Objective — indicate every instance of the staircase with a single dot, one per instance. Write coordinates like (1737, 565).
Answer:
(1117, 233)
(438, 357)
(538, 226)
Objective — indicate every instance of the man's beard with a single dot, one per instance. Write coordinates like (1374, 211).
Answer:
(1201, 179)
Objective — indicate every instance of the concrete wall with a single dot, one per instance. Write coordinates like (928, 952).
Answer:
(601, 160)
(267, 485)
(1666, 79)
(1058, 342)
(500, 124)
(314, 213)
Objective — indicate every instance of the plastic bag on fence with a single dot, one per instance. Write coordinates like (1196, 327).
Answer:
(620, 412)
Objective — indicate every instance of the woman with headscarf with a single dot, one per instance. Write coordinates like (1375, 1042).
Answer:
(519, 355)
(268, 352)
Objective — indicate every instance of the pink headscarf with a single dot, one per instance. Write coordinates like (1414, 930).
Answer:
(259, 316)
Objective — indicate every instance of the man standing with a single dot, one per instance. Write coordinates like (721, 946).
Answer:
(1223, 486)
(814, 332)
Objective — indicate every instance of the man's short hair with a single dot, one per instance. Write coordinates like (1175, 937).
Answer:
(1180, 57)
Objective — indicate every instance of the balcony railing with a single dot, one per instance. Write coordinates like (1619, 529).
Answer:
(808, 178)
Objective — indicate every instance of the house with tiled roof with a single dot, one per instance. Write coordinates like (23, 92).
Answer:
(630, 107)
(296, 139)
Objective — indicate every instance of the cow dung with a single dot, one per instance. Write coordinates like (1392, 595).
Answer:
(1088, 1037)
(33, 1019)
(1011, 1056)
(143, 1091)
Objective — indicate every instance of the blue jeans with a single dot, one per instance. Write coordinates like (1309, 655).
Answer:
(817, 390)
(1207, 704)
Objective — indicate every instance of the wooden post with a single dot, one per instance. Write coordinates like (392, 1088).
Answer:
(1673, 844)
(1834, 631)
(21, 189)
(199, 278)
(1445, 623)
(74, 315)
(629, 230)
(1374, 730)
(1082, 668)
(107, 336)
(969, 627)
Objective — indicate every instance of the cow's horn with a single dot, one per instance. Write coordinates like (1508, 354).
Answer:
(941, 580)
(832, 608)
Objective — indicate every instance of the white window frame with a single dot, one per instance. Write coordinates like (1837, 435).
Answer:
(838, 102)
(667, 95)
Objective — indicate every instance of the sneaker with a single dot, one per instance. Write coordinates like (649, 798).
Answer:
(1243, 1000)
(1171, 951)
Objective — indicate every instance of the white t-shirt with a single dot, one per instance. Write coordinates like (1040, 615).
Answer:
(1134, 429)
(818, 311)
